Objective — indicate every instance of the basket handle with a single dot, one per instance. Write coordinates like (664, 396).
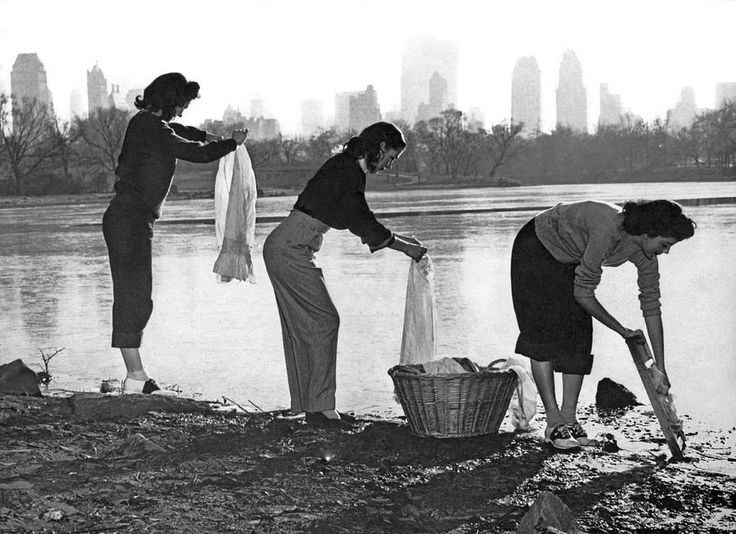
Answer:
(494, 362)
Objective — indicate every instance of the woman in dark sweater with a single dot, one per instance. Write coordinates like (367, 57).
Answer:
(145, 170)
(333, 198)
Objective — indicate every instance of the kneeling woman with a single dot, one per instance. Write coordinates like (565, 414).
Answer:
(333, 198)
(556, 265)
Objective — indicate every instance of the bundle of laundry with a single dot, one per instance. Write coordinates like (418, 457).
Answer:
(235, 216)
(418, 339)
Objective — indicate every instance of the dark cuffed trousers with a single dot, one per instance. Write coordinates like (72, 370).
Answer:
(129, 235)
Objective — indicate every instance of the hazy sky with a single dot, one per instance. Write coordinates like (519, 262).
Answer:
(284, 51)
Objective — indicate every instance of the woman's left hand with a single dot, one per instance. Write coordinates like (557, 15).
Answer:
(659, 380)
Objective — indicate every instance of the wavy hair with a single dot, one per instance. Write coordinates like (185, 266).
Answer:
(167, 92)
(663, 218)
(368, 143)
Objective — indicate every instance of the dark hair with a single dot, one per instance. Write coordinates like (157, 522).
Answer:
(662, 218)
(368, 143)
(166, 92)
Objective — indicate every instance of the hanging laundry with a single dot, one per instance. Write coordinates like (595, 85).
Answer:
(235, 216)
(419, 341)
(523, 405)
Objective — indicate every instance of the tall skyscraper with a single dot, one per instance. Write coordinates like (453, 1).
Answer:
(610, 112)
(438, 100)
(354, 110)
(97, 97)
(364, 109)
(342, 109)
(526, 94)
(421, 59)
(115, 99)
(682, 115)
(572, 99)
(725, 92)
(312, 117)
(76, 104)
(28, 80)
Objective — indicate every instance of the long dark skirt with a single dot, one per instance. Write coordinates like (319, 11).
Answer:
(553, 326)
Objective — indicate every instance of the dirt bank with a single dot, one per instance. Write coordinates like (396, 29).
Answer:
(68, 465)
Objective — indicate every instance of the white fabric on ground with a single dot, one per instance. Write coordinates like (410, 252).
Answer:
(523, 404)
(235, 216)
(418, 341)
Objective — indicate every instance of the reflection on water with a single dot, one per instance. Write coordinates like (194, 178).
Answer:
(224, 339)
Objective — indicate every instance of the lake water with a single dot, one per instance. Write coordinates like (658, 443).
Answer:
(215, 340)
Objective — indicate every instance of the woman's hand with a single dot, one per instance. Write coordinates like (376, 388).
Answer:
(631, 334)
(409, 246)
(415, 251)
(239, 136)
(659, 379)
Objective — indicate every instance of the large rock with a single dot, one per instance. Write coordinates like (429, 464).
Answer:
(613, 396)
(548, 515)
(18, 379)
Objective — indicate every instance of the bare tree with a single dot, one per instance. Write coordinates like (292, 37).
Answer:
(26, 143)
(103, 133)
(64, 138)
(290, 147)
(503, 144)
(322, 145)
(262, 151)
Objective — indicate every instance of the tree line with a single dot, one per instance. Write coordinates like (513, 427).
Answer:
(40, 154)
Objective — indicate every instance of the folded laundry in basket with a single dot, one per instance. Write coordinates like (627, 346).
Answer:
(443, 366)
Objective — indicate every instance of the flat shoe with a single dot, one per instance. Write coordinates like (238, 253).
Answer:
(320, 420)
(348, 418)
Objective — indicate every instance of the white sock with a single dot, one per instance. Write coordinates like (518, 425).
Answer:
(331, 414)
(137, 375)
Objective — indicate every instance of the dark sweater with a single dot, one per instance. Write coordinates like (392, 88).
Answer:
(148, 159)
(336, 196)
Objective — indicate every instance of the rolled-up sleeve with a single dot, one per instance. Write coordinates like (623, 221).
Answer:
(648, 281)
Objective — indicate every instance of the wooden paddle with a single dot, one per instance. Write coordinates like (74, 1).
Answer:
(662, 404)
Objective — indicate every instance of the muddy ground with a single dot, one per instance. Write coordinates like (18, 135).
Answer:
(72, 465)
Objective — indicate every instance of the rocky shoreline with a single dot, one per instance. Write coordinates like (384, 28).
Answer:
(89, 462)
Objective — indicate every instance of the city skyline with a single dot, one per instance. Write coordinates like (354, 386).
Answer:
(321, 54)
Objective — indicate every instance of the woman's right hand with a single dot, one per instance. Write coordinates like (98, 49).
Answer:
(415, 251)
(239, 136)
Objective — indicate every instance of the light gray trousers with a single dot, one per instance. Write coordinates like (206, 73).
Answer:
(309, 319)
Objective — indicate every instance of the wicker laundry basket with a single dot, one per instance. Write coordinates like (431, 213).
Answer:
(454, 405)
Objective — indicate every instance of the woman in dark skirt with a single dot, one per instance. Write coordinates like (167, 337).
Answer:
(333, 198)
(145, 170)
(556, 265)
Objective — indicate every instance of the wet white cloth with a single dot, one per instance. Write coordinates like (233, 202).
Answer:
(418, 341)
(523, 405)
(235, 216)
(443, 366)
